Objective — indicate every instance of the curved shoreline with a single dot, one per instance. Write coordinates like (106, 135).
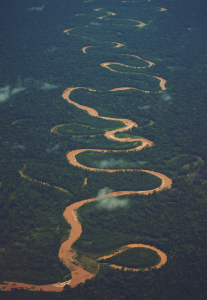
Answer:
(163, 257)
(84, 48)
(141, 24)
(40, 182)
(166, 181)
(118, 45)
(67, 30)
(162, 80)
(66, 254)
(149, 62)
(70, 212)
(9, 285)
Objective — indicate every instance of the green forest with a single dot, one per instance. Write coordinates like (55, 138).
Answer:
(39, 61)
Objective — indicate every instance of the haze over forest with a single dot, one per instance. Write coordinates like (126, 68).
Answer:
(102, 149)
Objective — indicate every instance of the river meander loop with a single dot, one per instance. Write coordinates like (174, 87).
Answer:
(66, 254)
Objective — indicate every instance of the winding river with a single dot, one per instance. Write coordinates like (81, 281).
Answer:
(66, 254)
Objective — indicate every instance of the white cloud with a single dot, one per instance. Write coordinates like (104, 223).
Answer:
(53, 149)
(21, 147)
(95, 24)
(51, 49)
(110, 203)
(40, 8)
(113, 163)
(6, 92)
(17, 90)
(165, 96)
(144, 107)
(46, 86)
(171, 68)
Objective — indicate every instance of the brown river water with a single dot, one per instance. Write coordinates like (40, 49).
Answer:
(70, 212)
(163, 256)
(66, 254)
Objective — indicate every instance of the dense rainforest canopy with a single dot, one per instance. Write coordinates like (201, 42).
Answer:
(38, 62)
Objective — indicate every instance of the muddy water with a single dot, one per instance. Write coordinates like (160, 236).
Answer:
(141, 24)
(166, 182)
(162, 255)
(55, 127)
(66, 254)
(47, 288)
(162, 81)
(109, 134)
(70, 212)
(111, 13)
(67, 30)
(90, 110)
(84, 48)
(78, 274)
(118, 45)
(149, 62)
(106, 64)
(127, 88)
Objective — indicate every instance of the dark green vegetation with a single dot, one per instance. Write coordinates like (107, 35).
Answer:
(35, 53)
(31, 230)
(179, 165)
(76, 129)
(134, 258)
(161, 220)
(67, 179)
